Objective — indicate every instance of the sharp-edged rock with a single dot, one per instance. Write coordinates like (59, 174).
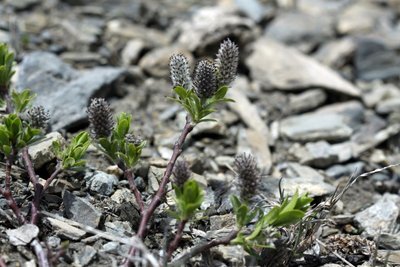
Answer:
(276, 66)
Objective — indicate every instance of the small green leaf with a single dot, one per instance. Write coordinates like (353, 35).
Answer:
(221, 92)
(7, 150)
(68, 162)
(181, 92)
(289, 217)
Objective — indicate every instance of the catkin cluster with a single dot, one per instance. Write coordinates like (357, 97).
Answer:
(208, 75)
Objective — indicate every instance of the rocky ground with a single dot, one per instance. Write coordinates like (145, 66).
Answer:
(315, 103)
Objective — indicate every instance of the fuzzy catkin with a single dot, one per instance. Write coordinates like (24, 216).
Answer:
(204, 79)
(181, 172)
(227, 62)
(180, 71)
(100, 118)
(38, 117)
(248, 175)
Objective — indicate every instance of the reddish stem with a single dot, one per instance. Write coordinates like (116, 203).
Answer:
(204, 247)
(159, 195)
(178, 236)
(129, 176)
(2, 262)
(52, 176)
(7, 190)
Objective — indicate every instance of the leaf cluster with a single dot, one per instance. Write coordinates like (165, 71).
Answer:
(22, 100)
(16, 134)
(289, 212)
(6, 65)
(199, 108)
(117, 147)
(72, 154)
(188, 199)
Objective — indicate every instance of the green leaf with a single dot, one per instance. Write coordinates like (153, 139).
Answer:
(303, 202)
(22, 100)
(4, 136)
(221, 92)
(241, 214)
(123, 125)
(271, 216)
(291, 204)
(188, 199)
(68, 162)
(7, 150)
(235, 202)
(81, 138)
(289, 217)
(181, 92)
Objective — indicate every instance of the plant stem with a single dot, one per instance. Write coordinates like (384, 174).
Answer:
(52, 176)
(36, 185)
(2, 262)
(203, 247)
(129, 176)
(40, 253)
(178, 236)
(7, 190)
(156, 200)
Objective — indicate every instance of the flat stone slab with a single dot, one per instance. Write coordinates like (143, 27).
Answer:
(61, 89)
(276, 66)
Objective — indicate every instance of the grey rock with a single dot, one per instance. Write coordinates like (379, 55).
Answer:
(234, 255)
(256, 139)
(296, 27)
(336, 53)
(80, 210)
(338, 171)
(352, 112)
(361, 17)
(343, 151)
(209, 128)
(155, 175)
(156, 62)
(321, 7)
(209, 25)
(315, 126)
(389, 256)
(84, 256)
(123, 195)
(111, 247)
(252, 8)
(64, 91)
(118, 228)
(22, 4)
(4, 37)
(23, 235)
(380, 93)
(388, 106)
(374, 60)
(131, 52)
(83, 32)
(209, 198)
(319, 154)
(389, 241)
(124, 30)
(66, 230)
(302, 178)
(222, 221)
(53, 241)
(307, 100)
(276, 66)
(380, 217)
(42, 151)
(101, 182)
(83, 59)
